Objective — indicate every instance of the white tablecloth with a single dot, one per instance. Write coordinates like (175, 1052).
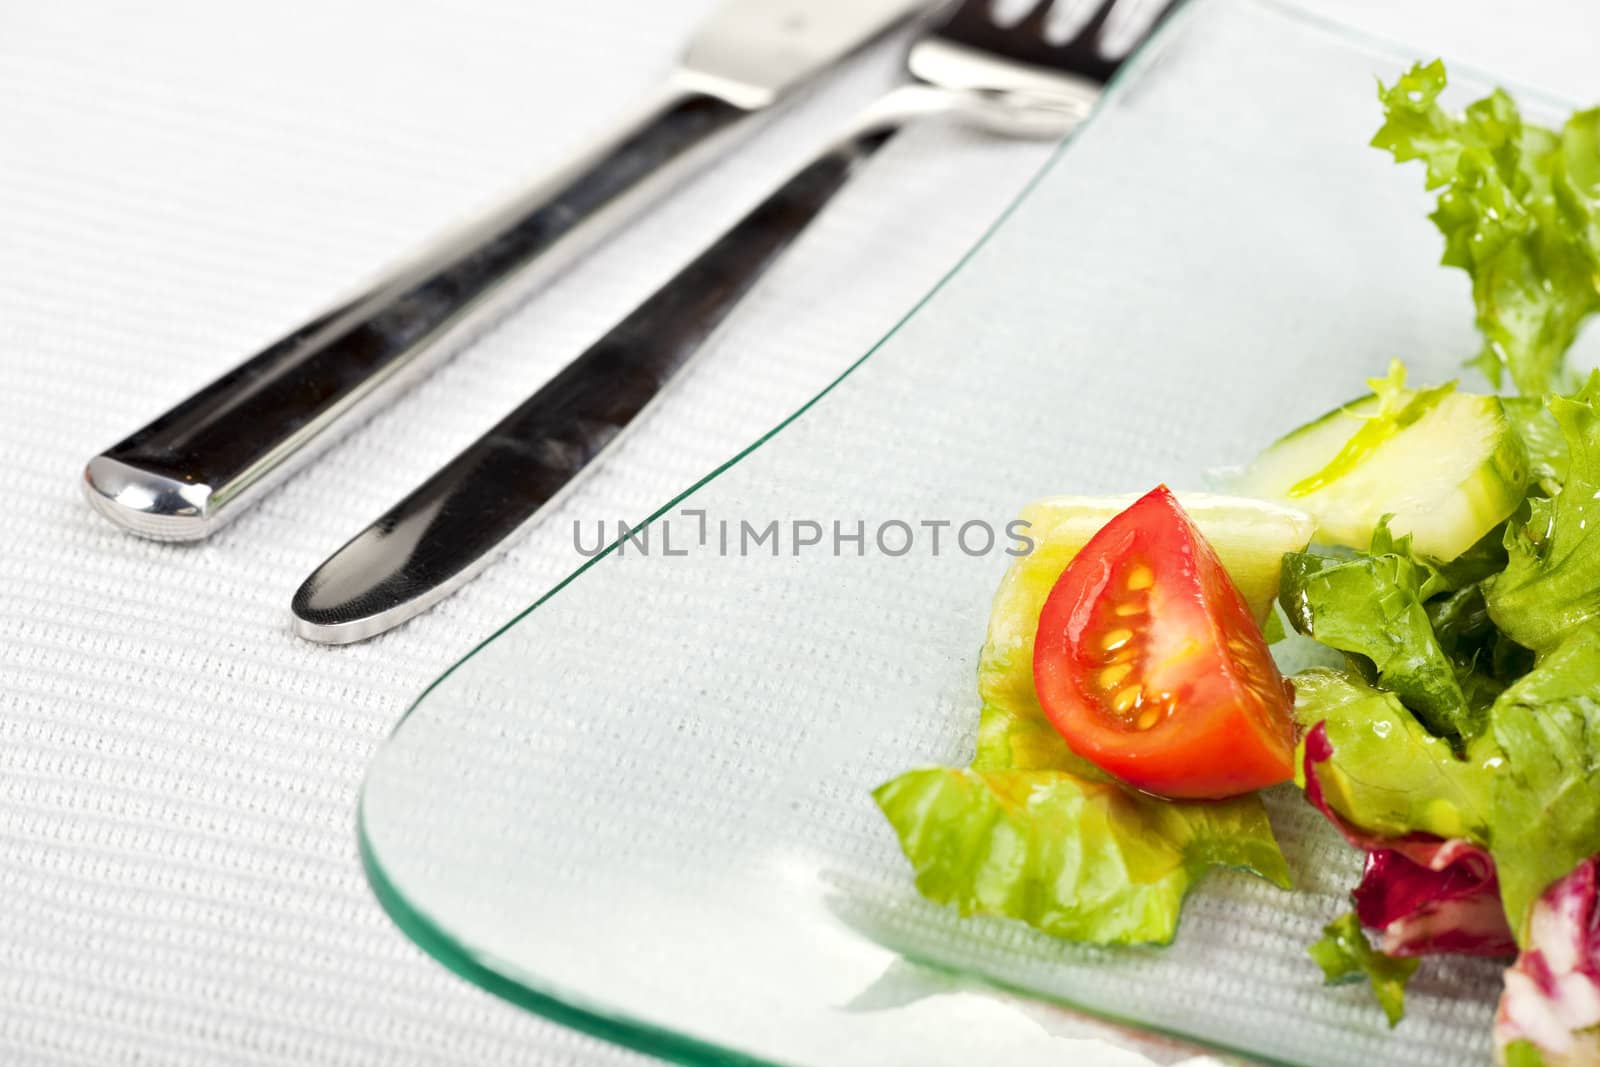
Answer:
(179, 183)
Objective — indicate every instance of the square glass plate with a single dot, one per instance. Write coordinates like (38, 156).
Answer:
(643, 807)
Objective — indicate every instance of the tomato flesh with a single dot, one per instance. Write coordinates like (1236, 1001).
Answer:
(1149, 664)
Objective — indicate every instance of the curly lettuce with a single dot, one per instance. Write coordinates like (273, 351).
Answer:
(1546, 800)
(1082, 860)
(1371, 607)
(1345, 955)
(1415, 626)
(1551, 583)
(1519, 207)
(1542, 440)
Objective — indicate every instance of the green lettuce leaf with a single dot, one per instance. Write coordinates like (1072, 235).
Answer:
(1014, 735)
(1035, 832)
(1372, 606)
(1541, 440)
(1519, 207)
(1273, 631)
(1546, 795)
(1388, 775)
(1482, 560)
(1523, 1054)
(1087, 861)
(1551, 584)
(1345, 955)
(1486, 661)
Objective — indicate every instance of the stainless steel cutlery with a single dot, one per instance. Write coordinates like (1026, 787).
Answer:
(204, 461)
(1012, 79)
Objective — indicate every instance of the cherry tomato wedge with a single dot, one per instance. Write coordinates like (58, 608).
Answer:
(1149, 664)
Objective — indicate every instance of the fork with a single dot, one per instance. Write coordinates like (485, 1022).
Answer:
(1008, 79)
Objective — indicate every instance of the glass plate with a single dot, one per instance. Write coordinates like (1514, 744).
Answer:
(643, 808)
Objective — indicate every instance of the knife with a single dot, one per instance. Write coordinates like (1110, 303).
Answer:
(209, 458)
(455, 523)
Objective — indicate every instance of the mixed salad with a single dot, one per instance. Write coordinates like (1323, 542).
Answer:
(1444, 543)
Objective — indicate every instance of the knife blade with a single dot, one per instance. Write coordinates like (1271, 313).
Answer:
(209, 458)
(454, 524)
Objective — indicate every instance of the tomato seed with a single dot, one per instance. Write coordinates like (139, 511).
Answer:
(1125, 701)
(1141, 577)
(1113, 675)
(1116, 639)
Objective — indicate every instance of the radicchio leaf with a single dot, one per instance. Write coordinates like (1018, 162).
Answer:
(1423, 894)
(1552, 996)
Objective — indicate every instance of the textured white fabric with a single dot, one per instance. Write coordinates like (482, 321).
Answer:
(181, 182)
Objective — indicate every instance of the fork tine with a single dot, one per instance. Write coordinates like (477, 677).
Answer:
(1085, 54)
(969, 18)
(1090, 31)
(971, 23)
(978, 17)
(1033, 22)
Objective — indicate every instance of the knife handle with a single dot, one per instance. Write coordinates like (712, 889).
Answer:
(452, 525)
(207, 459)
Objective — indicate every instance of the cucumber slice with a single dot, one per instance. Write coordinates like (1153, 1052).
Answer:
(1448, 478)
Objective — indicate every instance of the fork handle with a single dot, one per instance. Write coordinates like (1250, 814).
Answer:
(204, 461)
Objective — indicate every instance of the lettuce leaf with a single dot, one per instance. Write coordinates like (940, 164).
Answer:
(1345, 956)
(1082, 860)
(1549, 1013)
(1478, 563)
(1541, 440)
(1551, 583)
(1424, 894)
(1519, 207)
(1386, 775)
(1546, 796)
(1373, 606)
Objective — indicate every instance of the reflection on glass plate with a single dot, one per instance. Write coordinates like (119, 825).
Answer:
(644, 808)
